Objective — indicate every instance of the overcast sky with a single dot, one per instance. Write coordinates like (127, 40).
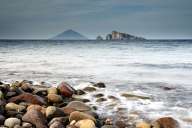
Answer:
(46, 18)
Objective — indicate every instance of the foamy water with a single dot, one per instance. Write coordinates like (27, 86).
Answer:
(142, 68)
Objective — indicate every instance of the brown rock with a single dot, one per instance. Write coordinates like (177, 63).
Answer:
(65, 89)
(36, 118)
(101, 100)
(76, 115)
(143, 125)
(79, 106)
(54, 98)
(36, 107)
(29, 98)
(120, 124)
(68, 110)
(166, 122)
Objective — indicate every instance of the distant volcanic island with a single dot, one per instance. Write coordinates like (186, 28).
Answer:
(114, 35)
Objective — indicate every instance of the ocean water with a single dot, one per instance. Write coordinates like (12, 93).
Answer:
(143, 68)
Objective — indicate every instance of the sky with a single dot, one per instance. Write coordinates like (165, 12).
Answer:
(43, 19)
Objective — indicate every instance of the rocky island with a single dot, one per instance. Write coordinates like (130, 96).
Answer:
(27, 105)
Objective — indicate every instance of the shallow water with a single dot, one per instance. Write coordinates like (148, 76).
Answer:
(138, 67)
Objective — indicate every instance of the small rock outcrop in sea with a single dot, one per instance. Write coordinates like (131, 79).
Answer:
(24, 105)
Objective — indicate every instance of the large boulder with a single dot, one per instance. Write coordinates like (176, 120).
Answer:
(65, 89)
(36, 118)
(29, 98)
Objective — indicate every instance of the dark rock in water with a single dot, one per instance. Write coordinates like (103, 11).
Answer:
(113, 97)
(29, 98)
(101, 100)
(89, 89)
(65, 89)
(2, 119)
(127, 95)
(98, 95)
(36, 118)
(78, 106)
(76, 115)
(79, 92)
(165, 122)
(26, 87)
(99, 85)
(167, 88)
(53, 111)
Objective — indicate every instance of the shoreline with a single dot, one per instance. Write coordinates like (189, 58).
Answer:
(60, 106)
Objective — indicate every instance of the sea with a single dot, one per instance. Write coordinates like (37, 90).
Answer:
(159, 69)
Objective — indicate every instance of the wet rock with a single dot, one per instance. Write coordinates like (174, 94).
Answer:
(53, 111)
(2, 119)
(63, 120)
(76, 115)
(98, 95)
(79, 92)
(133, 96)
(37, 107)
(101, 100)
(165, 122)
(14, 107)
(52, 90)
(36, 118)
(86, 123)
(11, 122)
(29, 98)
(26, 125)
(99, 85)
(54, 98)
(89, 89)
(79, 106)
(113, 97)
(65, 89)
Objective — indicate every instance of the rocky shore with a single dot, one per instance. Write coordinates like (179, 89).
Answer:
(25, 105)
